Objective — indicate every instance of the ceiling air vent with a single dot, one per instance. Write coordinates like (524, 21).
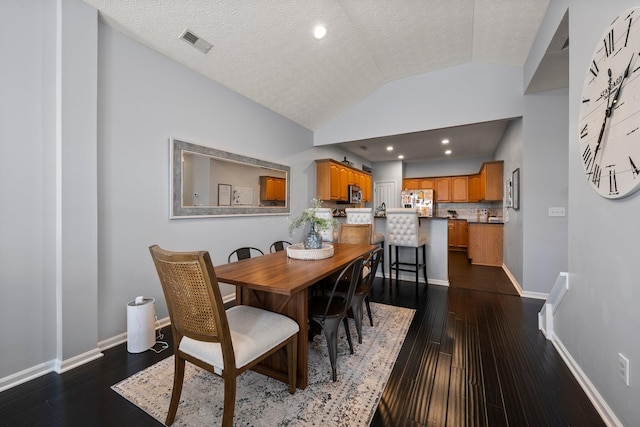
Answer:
(195, 41)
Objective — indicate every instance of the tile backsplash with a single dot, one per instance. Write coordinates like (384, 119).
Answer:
(470, 211)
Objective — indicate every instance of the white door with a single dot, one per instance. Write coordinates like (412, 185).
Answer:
(385, 192)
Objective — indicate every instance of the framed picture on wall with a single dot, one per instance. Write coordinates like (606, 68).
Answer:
(515, 182)
(508, 193)
(224, 195)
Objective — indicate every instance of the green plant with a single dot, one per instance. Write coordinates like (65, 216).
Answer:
(309, 215)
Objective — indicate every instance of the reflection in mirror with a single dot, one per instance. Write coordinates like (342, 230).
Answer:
(210, 182)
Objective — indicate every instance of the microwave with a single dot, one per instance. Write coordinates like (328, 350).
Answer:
(355, 194)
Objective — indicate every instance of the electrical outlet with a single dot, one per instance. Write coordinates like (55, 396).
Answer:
(624, 368)
(558, 211)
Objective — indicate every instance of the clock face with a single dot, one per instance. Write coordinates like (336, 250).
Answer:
(609, 126)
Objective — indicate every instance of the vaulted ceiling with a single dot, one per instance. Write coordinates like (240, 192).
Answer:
(265, 50)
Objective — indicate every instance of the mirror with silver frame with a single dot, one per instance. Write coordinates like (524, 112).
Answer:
(207, 182)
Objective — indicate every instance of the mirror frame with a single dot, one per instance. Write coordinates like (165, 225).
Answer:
(178, 211)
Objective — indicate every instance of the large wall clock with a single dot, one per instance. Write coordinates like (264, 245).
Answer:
(609, 126)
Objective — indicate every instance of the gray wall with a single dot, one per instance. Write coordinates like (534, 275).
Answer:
(543, 181)
(598, 317)
(510, 152)
(92, 160)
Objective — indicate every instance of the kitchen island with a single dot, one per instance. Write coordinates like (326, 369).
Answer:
(485, 243)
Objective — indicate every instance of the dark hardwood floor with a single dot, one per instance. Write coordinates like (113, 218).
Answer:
(470, 358)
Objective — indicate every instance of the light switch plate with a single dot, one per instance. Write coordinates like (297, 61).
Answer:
(557, 211)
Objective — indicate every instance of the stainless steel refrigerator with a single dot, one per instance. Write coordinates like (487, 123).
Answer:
(421, 200)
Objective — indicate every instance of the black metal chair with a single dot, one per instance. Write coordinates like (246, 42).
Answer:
(279, 245)
(244, 253)
(361, 293)
(329, 311)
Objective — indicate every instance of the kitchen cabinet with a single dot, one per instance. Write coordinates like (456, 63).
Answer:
(485, 244)
(473, 192)
(333, 179)
(273, 188)
(459, 188)
(427, 184)
(491, 180)
(458, 234)
(410, 184)
(443, 189)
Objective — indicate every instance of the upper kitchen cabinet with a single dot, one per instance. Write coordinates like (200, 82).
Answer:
(443, 189)
(491, 181)
(473, 193)
(459, 188)
(333, 179)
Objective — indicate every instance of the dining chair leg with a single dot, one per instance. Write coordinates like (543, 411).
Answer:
(292, 363)
(229, 400)
(417, 265)
(178, 378)
(345, 321)
(366, 302)
(330, 329)
(356, 308)
(397, 265)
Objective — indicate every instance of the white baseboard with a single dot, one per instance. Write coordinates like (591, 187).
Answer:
(61, 366)
(608, 416)
(26, 375)
(68, 364)
(121, 338)
(512, 278)
(535, 295)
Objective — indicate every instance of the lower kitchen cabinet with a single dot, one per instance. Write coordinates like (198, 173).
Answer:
(485, 244)
(458, 234)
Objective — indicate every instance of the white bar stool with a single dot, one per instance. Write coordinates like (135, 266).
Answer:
(327, 234)
(403, 230)
(365, 216)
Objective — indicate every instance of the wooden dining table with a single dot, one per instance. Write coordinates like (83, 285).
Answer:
(278, 283)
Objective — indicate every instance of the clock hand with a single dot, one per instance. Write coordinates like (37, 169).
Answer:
(607, 113)
(617, 94)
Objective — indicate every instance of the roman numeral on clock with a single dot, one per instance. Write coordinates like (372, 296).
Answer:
(587, 157)
(595, 173)
(626, 39)
(583, 132)
(613, 185)
(594, 69)
(608, 43)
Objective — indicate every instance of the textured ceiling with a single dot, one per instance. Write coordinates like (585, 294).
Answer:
(264, 49)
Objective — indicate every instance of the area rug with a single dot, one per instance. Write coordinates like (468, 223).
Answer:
(261, 401)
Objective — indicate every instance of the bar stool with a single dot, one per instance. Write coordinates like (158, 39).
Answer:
(327, 234)
(403, 230)
(365, 216)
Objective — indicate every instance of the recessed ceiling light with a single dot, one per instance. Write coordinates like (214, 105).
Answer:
(389, 148)
(401, 156)
(319, 31)
(445, 141)
(447, 152)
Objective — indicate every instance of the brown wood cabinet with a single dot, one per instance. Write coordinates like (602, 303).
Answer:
(458, 234)
(473, 193)
(333, 179)
(273, 188)
(443, 189)
(459, 188)
(491, 181)
(485, 244)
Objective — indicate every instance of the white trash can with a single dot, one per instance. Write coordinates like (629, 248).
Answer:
(141, 316)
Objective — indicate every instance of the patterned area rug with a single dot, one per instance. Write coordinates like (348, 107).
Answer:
(262, 401)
